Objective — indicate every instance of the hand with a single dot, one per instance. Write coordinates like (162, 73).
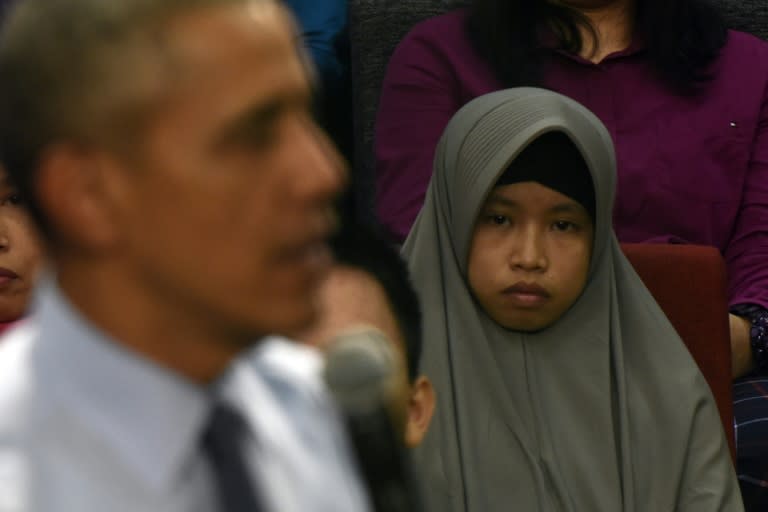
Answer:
(742, 361)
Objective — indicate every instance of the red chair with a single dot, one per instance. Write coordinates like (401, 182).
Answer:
(689, 283)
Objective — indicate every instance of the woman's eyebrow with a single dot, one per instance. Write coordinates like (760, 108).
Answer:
(569, 207)
(497, 200)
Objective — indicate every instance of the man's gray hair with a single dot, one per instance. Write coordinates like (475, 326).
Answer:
(79, 71)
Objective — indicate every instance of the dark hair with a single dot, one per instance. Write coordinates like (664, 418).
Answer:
(366, 249)
(682, 37)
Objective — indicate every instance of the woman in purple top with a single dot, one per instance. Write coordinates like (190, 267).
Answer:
(685, 101)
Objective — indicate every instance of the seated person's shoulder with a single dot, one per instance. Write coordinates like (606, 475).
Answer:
(453, 21)
(443, 30)
(739, 40)
(20, 414)
(16, 370)
(747, 50)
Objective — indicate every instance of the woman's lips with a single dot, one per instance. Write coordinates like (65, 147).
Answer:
(7, 276)
(4, 272)
(526, 295)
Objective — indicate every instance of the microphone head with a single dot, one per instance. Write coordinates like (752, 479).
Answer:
(365, 375)
(361, 369)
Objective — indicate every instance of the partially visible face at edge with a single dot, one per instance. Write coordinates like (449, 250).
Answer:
(351, 298)
(530, 254)
(20, 253)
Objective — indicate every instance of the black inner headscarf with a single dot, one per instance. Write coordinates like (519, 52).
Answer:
(554, 161)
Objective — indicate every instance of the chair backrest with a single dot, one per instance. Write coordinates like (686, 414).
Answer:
(689, 283)
(375, 29)
(377, 26)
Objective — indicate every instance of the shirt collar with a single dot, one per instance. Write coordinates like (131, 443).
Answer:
(281, 376)
(150, 416)
(548, 40)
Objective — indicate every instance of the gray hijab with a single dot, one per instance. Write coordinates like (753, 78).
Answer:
(605, 410)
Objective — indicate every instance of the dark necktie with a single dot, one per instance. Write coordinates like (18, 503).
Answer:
(224, 446)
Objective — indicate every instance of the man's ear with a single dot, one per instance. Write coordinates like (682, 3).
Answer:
(421, 407)
(73, 190)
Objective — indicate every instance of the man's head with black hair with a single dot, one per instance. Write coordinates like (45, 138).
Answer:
(365, 249)
(369, 286)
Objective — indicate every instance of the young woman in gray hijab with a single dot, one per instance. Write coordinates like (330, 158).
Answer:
(561, 385)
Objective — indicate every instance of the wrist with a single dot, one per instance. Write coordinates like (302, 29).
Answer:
(757, 317)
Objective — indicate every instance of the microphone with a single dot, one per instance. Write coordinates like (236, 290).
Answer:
(366, 379)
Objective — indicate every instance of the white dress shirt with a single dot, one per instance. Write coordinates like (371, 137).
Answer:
(88, 426)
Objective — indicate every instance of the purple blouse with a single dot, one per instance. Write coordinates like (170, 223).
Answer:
(690, 169)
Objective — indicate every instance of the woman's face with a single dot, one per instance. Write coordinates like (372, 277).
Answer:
(529, 257)
(20, 253)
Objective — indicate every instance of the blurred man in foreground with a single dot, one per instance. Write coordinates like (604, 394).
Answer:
(184, 193)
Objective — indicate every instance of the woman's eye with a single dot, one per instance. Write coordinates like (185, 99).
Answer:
(11, 200)
(564, 225)
(499, 220)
